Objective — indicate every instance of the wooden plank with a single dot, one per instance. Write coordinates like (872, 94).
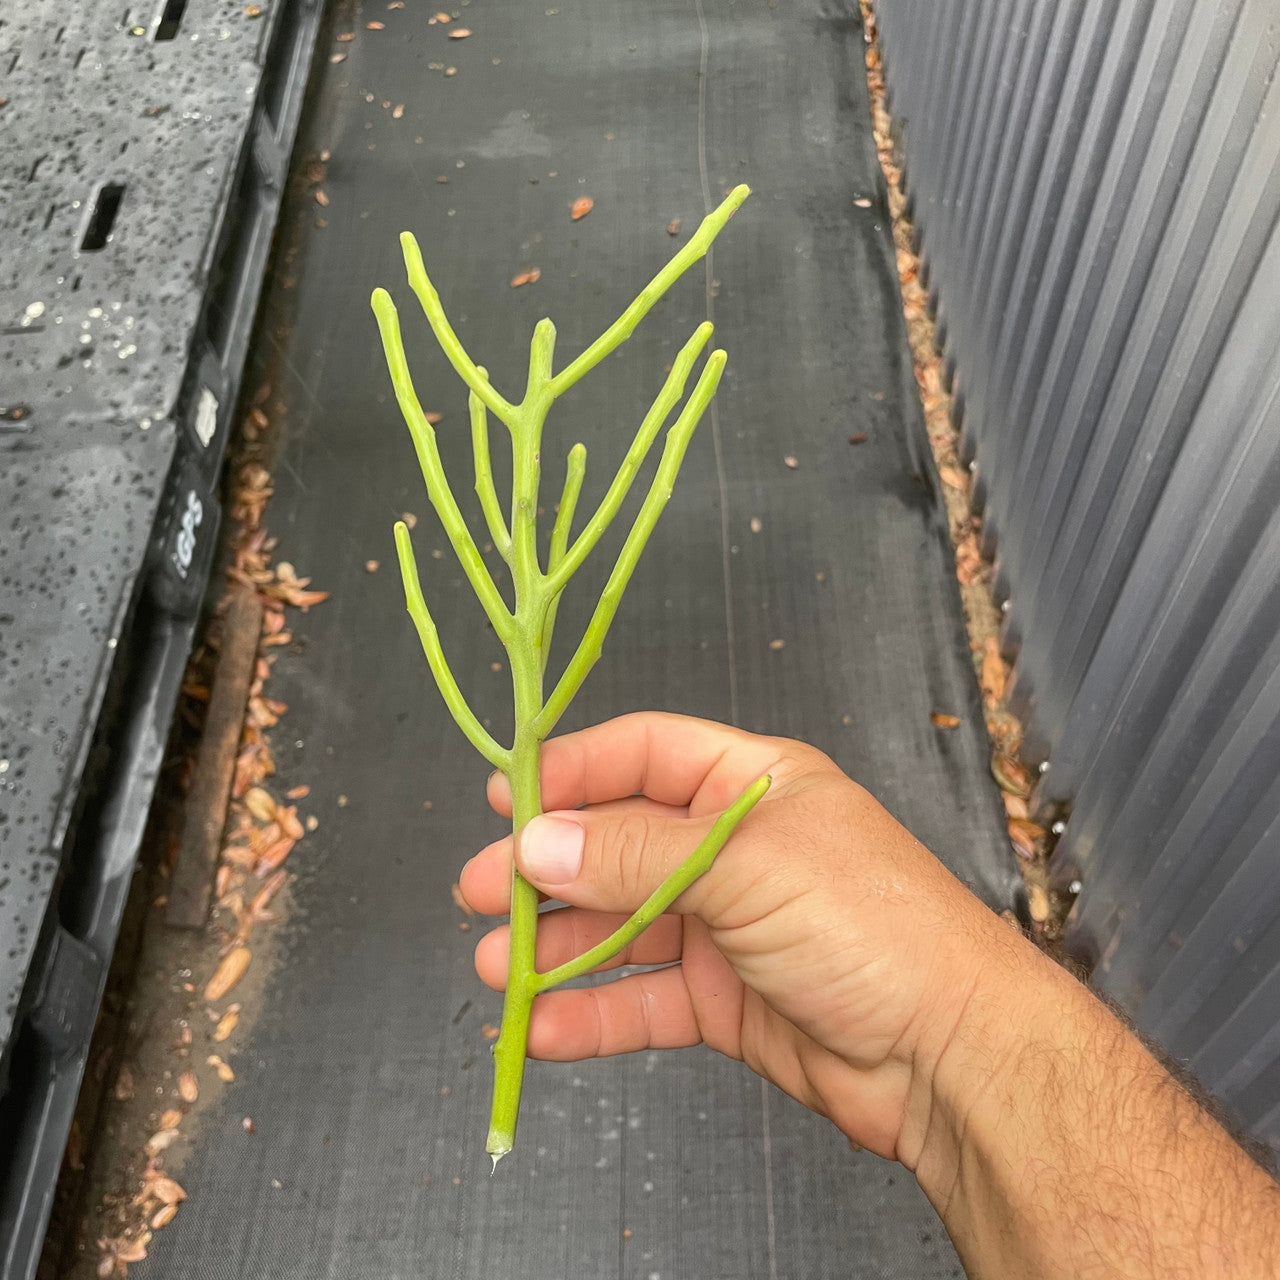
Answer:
(206, 809)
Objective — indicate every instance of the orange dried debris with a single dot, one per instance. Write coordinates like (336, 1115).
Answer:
(229, 971)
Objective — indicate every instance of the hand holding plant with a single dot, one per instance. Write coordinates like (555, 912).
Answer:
(826, 947)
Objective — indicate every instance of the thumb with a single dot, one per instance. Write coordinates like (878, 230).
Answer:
(609, 861)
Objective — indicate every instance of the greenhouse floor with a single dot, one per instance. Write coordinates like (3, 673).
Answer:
(798, 584)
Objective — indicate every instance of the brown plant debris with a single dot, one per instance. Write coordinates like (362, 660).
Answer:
(974, 571)
(229, 971)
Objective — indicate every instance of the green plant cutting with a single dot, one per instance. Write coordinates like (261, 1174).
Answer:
(525, 628)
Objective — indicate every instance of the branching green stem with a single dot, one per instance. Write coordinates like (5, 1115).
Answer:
(421, 284)
(625, 325)
(424, 442)
(575, 470)
(667, 399)
(485, 491)
(526, 630)
(480, 737)
(589, 650)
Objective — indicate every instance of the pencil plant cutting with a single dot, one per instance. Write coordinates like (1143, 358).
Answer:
(525, 628)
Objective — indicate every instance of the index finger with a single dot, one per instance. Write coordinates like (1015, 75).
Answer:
(675, 760)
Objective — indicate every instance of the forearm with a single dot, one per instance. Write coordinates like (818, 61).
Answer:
(1058, 1146)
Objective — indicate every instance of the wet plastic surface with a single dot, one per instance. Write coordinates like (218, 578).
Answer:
(365, 1068)
(145, 152)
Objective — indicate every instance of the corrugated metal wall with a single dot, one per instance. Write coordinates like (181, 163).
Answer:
(1096, 184)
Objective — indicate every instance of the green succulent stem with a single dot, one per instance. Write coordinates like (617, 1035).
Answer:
(526, 629)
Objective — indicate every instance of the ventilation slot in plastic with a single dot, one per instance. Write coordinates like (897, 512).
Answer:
(102, 219)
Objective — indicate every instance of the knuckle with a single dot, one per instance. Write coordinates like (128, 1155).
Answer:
(630, 856)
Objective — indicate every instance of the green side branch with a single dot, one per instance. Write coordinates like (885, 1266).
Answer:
(697, 864)
(526, 629)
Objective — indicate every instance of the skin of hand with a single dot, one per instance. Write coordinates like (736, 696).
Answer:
(829, 950)
(826, 947)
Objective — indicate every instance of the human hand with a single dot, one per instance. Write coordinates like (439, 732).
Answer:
(825, 947)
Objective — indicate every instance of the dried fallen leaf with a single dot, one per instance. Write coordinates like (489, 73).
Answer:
(459, 901)
(163, 1216)
(337, 57)
(777, 644)
(222, 882)
(270, 888)
(248, 1126)
(1026, 836)
(434, 418)
(968, 558)
(756, 524)
(581, 207)
(993, 670)
(862, 202)
(489, 1031)
(225, 1074)
(73, 1152)
(226, 1025)
(166, 1190)
(943, 720)
(274, 855)
(459, 33)
(1012, 776)
(289, 823)
(1015, 806)
(322, 198)
(252, 11)
(228, 973)
(188, 1086)
(410, 520)
(673, 227)
(237, 855)
(526, 277)
(791, 461)
(298, 792)
(398, 111)
(170, 1119)
(132, 1250)
(858, 437)
(1038, 901)
(444, 17)
(260, 803)
(374, 26)
(161, 1140)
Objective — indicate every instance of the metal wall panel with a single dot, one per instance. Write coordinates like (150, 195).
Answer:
(1096, 187)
